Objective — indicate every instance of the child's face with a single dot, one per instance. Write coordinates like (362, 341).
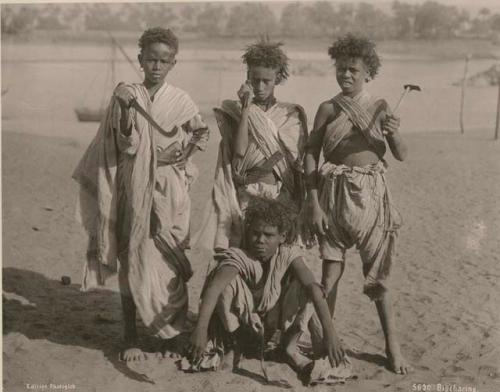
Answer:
(263, 240)
(157, 59)
(263, 80)
(352, 74)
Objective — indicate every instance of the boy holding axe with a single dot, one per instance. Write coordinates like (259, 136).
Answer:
(348, 198)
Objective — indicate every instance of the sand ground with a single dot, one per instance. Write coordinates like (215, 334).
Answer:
(446, 277)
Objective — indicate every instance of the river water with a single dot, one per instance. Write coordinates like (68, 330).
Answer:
(46, 83)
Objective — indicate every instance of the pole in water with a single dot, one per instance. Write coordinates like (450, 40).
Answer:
(497, 125)
(113, 64)
(462, 100)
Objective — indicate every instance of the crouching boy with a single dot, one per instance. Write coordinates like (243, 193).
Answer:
(262, 287)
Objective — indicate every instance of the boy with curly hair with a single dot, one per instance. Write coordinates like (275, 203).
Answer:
(135, 179)
(348, 197)
(264, 286)
(262, 147)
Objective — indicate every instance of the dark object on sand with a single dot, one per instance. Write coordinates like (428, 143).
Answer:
(103, 320)
(65, 280)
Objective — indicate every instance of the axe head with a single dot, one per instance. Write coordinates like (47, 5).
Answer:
(412, 87)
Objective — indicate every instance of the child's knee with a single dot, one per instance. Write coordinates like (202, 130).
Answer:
(332, 272)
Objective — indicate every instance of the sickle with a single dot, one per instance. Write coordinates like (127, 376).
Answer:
(150, 119)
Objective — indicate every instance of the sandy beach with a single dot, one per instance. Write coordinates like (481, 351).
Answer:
(446, 279)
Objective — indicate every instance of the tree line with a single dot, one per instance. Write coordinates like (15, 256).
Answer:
(427, 20)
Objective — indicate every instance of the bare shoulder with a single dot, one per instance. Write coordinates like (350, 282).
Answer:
(327, 109)
(302, 271)
(326, 113)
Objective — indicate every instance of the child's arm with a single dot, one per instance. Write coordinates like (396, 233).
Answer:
(240, 142)
(200, 133)
(124, 94)
(390, 128)
(332, 343)
(127, 137)
(198, 339)
(313, 149)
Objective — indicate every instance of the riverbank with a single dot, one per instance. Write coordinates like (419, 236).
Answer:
(443, 49)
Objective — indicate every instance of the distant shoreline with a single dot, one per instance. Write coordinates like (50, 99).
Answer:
(444, 49)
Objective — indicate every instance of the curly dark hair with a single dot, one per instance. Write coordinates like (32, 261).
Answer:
(353, 46)
(159, 34)
(267, 54)
(272, 213)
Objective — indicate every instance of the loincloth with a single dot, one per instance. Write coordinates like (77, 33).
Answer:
(357, 203)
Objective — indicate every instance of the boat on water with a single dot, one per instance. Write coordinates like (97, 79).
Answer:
(87, 113)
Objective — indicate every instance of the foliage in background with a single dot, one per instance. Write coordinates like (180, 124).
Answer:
(427, 20)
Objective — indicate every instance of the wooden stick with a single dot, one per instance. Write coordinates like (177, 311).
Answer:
(497, 125)
(400, 100)
(462, 100)
(113, 63)
(124, 53)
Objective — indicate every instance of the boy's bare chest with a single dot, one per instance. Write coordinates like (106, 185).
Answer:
(354, 150)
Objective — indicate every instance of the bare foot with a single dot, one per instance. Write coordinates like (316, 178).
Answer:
(295, 358)
(133, 354)
(397, 363)
(130, 351)
(231, 360)
(169, 354)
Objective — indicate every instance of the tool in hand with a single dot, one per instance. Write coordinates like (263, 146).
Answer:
(407, 89)
(150, 119)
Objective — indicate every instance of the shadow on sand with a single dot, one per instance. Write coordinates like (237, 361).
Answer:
(41, 308)
(376, 359)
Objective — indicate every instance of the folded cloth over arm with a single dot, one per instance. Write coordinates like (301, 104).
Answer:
(138, 212)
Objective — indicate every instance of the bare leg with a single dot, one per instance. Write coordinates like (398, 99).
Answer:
(232, 355)
(130, 351)
(397, 362)
(331, 274)
(291, 349)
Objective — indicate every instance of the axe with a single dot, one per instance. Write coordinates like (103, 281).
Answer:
(407, 89)
(136, 105)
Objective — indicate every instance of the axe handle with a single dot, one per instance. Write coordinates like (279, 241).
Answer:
(400, 100)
